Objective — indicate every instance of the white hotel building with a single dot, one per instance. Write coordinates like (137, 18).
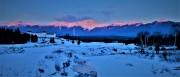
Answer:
(42, 34)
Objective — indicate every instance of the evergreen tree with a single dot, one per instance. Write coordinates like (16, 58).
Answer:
(178, 41)
(52, 40)
(78, 42)
(34, 38)
(8, 36)
(67, 36)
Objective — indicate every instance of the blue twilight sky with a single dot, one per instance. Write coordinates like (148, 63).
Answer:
(46, 11)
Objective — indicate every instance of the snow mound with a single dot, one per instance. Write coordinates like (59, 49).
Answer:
(83, 68)
(9, 50)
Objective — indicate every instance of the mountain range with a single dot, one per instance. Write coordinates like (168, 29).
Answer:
(92, 28)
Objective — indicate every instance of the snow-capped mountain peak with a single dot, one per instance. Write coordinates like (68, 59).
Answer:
(119, 23)
(162, 20)
(91, 27)
(17, 23)
(87, 24)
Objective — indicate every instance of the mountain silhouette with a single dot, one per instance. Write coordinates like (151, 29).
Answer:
(80, 28)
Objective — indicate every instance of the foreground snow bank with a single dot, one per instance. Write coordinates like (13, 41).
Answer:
(84, 60)
(132, 66)
(84, 69)
(11, 50)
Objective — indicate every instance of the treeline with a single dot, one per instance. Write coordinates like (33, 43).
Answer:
(10, 36)
(105, 39)
(153, 39)
(158, 39)
(143, 38)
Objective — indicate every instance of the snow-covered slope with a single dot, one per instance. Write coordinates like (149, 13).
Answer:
(94, 59)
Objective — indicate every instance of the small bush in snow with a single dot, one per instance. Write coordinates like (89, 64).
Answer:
(64, 74)
(58, 51)
(115, 50)
(76, 57)
(49, 57)
(122, 53)
(41, 70)
(163, 48)
(57, 67)
(70, 54)
(62, 42)
(150, 48)
(83, 53)
(102, 51)
(129, 64)
(72, 41)
(66, 64)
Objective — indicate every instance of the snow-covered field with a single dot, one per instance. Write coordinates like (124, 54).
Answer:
(94, 59)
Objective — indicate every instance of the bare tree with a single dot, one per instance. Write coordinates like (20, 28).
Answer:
(140, 36)
(144, 38)
(175, 28)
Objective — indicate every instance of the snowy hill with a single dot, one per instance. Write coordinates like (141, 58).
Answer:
(94, 59)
